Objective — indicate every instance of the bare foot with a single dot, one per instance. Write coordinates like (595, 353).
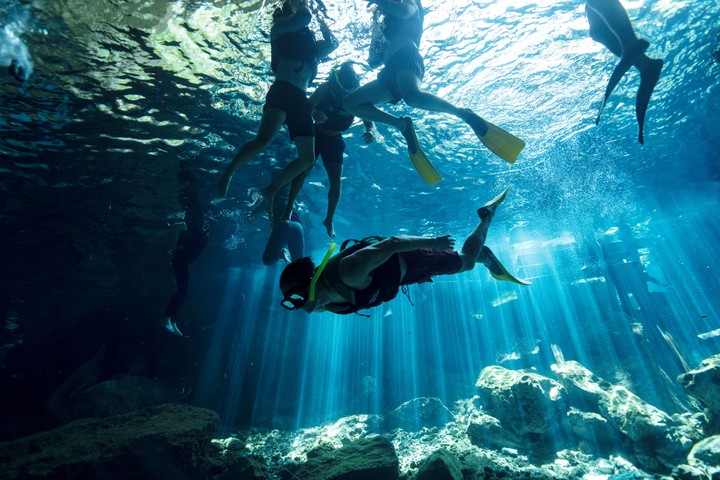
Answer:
(329, 227)
(261, 200)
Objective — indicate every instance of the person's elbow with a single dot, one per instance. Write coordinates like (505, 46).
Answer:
(393, 243)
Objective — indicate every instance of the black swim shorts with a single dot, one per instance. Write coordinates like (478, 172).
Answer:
(426, 262)
(330, 147)
(293, 101)
(407, 58)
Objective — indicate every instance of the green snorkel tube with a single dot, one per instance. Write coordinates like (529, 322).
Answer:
(318, 272)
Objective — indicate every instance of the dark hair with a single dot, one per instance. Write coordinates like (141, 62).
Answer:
(297, 275)
(347, 75)
(283, 10)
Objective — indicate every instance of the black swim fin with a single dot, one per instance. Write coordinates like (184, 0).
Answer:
(648, 79)
(627, 60)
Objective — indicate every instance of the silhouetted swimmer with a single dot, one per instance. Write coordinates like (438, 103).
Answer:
(610, 25)
(17, 70)
(372, 272)
(287, 237)
(191, 242)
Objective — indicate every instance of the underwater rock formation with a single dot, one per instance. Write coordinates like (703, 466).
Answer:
(441, 465)
(418, 413)
(592, 429)
(524, 402)
(702, 383)
(372, 457)
(705, 455)
(656, 442)
(168, 441)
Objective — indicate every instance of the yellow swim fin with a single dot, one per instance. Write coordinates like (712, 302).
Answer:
(493, 204)
(503, 144)
(497, 269)
(418, 158)
(425, 168)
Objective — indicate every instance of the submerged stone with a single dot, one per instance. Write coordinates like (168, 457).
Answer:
(168, 441)
(706, 455)
(373, 457)
(418, 413)
(524, 402)
(441, 465)
(703, 383)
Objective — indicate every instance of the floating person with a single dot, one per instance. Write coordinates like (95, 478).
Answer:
(371, 272)
(610, 25)
(287, 237)
(395, 44)
(330, 122)
(294, 59)
(192, 240)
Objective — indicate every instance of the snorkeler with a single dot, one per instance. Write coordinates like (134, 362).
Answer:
(330, 122)
(372, 273)
(295, 56)
(191, 242)
(395, 43)
(610, 25)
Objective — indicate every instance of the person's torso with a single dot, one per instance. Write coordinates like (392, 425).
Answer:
(383, 287)
(402, 32)
(294, 57)
(338, 120)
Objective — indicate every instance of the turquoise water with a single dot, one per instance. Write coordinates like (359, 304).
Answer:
(122, 96)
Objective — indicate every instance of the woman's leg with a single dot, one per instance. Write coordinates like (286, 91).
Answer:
(409, 85)
(293, 170)
(361, 103)
(334, 173)
(272, 120)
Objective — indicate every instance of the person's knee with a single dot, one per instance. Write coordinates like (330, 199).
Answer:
(414, 98)
(467, 262)
(305, 162)
(261, 141)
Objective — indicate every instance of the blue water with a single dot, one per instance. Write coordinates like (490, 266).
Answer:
(122, 97)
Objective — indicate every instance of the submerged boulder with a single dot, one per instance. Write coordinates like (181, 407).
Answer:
(656, 445)
(168, 441)
(703, 383)
(487, 432)
(419, 413)
(441, 465)
(373, 457)
(593, 430)
(705, 455)
(526, 403)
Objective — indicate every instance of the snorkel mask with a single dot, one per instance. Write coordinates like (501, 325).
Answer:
(345, 77)
(294, 298)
